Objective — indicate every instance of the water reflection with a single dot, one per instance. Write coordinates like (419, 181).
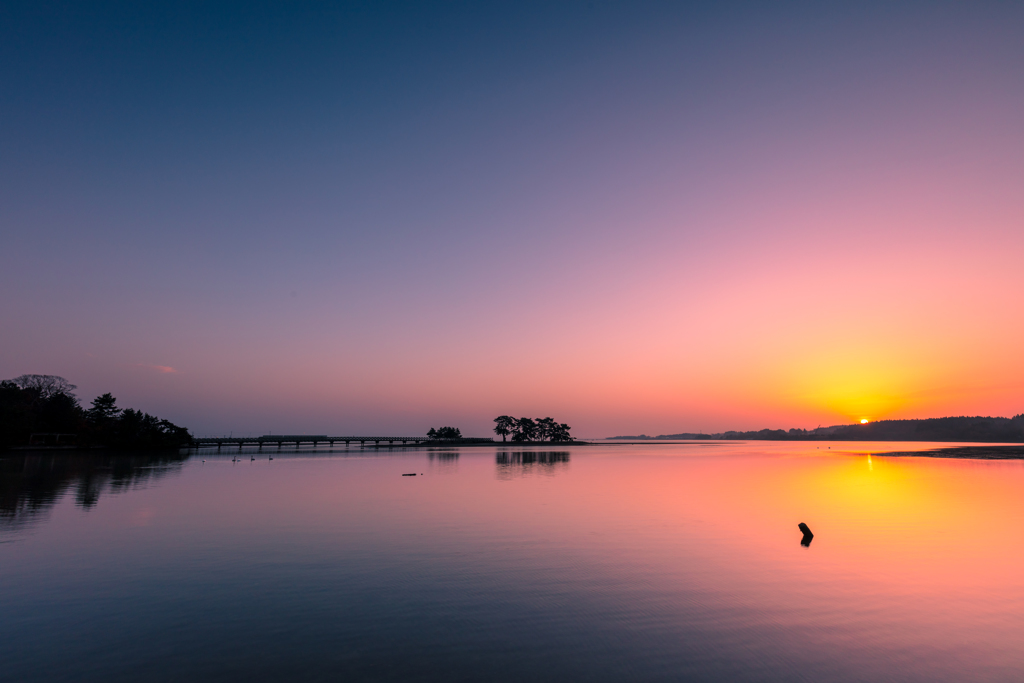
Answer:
(31, 485)
(647, 563)
(510, 464)
(443, 462)
(444, 456)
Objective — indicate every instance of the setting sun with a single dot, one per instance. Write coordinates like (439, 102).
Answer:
(863, 420)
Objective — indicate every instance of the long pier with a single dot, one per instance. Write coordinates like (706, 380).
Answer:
(299, 439)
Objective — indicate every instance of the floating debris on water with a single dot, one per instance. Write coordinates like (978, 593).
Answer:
(808, 536)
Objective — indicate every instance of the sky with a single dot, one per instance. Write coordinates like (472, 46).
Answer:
(633, 217)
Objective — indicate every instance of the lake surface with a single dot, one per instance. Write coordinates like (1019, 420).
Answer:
(589, 563)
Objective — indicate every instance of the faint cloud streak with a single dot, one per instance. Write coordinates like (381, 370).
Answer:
(163, 369)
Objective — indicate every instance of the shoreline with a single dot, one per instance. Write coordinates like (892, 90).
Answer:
(977, 452)
(478, 444)
(1015, 452)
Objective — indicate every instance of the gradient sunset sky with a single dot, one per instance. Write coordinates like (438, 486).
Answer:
(636, 218)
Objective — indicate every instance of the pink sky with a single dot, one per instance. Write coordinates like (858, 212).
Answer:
(723, 222)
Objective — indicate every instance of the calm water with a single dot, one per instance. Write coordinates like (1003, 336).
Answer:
(603, 563)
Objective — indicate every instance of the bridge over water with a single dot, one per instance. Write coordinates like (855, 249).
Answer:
(299, 439)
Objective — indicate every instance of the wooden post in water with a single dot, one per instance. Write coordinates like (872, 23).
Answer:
(808, 536)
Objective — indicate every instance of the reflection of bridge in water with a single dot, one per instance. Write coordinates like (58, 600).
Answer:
(299, 439)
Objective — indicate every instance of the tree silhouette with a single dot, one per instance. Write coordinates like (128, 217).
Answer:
(504, 425)
(47, 386)
(526, 429)
(545, 428)
(104, 408)
(560, 432)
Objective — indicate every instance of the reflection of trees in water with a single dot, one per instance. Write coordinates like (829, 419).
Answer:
(30, 485)
(444, 462)
(510, 464)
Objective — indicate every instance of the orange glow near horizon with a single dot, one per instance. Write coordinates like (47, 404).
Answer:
(810, 256)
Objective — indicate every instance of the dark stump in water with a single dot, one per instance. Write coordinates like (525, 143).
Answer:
(808, 536)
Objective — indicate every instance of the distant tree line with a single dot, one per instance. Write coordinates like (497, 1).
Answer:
(46, 405)
(527, 429)
(983, 429)
(980, 429)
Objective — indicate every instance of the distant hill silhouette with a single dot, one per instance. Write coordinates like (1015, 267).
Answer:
(979, 429)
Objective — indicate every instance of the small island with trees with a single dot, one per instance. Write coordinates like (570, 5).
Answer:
(527, 429)
(444, 434)
(521, 430)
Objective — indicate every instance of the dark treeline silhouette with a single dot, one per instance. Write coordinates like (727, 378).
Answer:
(980, 429)
(31, 484)
(445, 434)
(526, 429)
(43, 410)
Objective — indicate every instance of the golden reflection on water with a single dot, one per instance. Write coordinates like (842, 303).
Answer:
(682, 557)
